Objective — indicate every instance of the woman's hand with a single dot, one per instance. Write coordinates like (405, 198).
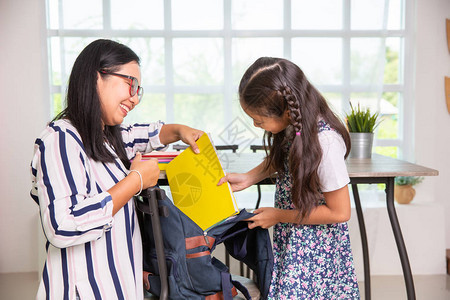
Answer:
(171, 133)
(238, 181)
(265, 217)
(189, 135)
(122, 191)
(148, 168)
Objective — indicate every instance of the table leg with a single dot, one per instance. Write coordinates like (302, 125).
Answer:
(365, 248)
(399, 239)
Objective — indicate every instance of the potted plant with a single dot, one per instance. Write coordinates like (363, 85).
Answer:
(361, 124)
(403, 190)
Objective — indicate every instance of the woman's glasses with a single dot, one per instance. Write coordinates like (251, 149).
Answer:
(134, 87)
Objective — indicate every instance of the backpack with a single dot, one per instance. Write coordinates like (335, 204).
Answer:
(193, 273)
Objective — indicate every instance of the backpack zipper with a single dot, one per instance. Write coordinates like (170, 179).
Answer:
(206, 238)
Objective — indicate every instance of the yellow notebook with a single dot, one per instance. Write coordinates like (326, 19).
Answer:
(193, 182)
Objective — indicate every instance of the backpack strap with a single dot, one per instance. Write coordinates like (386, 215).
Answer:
(229, 287)
(242, 289)
(200, 240)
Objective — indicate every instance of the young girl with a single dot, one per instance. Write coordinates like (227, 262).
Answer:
(307, 148)
(84, 183)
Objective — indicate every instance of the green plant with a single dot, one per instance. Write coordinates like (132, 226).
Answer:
(361, 120)
(408, 180)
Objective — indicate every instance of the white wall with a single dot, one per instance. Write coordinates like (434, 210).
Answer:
(24, 93)
(24, 111)
(432, 120)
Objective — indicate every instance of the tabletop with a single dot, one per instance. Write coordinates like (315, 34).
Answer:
(377, 166)
(383, 166)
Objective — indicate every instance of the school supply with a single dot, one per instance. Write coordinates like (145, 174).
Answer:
(163, 157)
(193, 182)
(189, 269)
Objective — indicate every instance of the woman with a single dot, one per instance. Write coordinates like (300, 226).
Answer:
(84, 182)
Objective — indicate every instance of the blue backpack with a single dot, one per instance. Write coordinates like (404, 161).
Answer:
(192, 272)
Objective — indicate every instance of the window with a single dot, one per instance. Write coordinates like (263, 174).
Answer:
(194, 53)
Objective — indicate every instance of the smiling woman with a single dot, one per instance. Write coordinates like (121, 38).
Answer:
(84, 182)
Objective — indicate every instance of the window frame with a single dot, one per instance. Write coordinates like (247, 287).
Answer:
(405, 138)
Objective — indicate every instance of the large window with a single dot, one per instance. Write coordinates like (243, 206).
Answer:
(194, 52)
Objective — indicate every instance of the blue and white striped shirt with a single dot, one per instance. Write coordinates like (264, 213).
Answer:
(88, 249)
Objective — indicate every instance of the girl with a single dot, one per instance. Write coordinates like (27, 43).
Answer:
(307, 147)
(84, 183)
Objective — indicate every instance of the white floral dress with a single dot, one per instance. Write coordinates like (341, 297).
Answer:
(310, 261)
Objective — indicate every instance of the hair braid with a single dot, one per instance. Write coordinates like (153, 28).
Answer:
(294, 108)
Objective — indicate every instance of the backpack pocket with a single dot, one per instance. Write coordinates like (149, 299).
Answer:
(173, 276)
(205, 277)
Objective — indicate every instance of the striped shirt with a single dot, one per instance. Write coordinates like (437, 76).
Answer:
(88, 249)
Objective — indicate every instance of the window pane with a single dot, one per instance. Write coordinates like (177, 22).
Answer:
(396, 16)
(58, 104)
(388, 151)
(367, 61)
(137, 14)
(392, 68)
(334, 101)
(388, 128)
(200, 111)
(327, 69)
(247, 50)
(151, 108)
(317, 14)
(197, 14)
(151, 53)
(55, 61)
(373, 14)
(52, 15)
(82, 14)
(72, 48)
(257, 14)
(198, 61)
(387, 109)
(365, 101)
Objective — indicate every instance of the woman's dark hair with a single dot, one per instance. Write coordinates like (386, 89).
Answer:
(272, 86)
(83, 104)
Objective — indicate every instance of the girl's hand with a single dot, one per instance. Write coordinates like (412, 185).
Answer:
(265, 217)
(189, 135)
(148, 168)
(238, 181)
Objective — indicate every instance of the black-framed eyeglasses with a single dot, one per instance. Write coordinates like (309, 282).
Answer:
(134, 86)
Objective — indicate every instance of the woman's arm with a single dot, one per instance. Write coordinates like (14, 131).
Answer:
(336, 210)
(125, 189)
(174, 132)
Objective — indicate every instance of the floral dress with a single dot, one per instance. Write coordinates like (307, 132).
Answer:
(310, 261)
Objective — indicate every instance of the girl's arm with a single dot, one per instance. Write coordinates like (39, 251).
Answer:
(174, 132)
(336, 210)
(241, 181)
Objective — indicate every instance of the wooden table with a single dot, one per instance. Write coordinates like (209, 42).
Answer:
(382, 169)
(378, 169)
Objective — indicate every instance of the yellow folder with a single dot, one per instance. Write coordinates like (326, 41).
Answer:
(193, 182)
